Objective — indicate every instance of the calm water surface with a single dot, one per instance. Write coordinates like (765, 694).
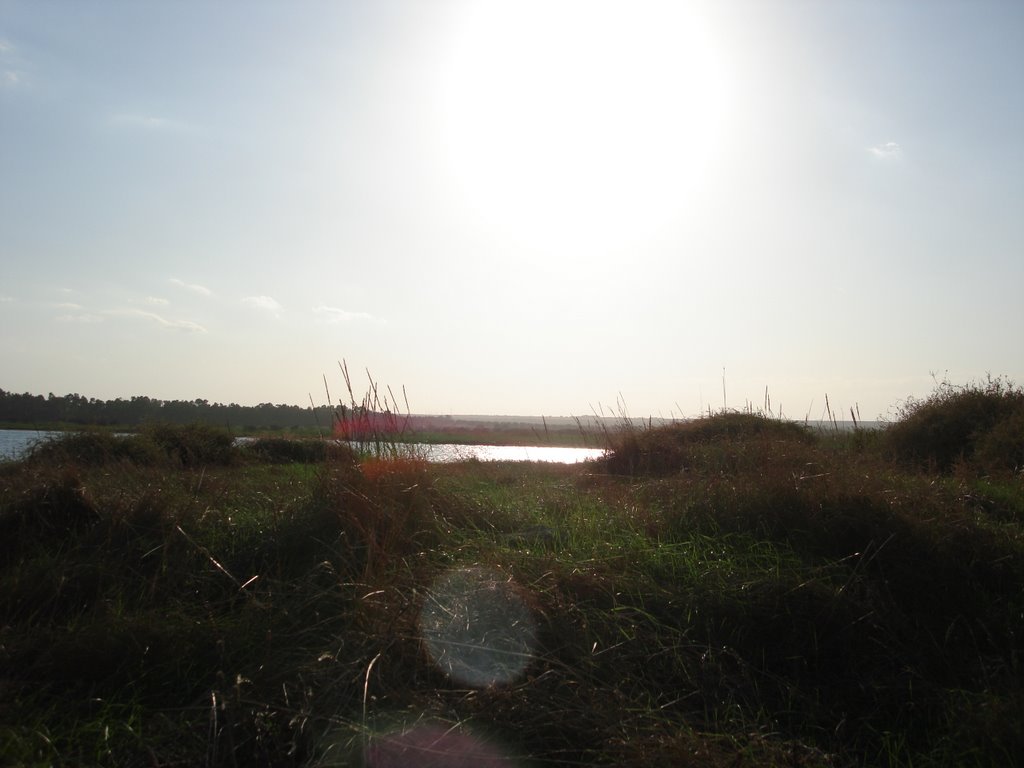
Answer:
(509, 453)
(14, 443)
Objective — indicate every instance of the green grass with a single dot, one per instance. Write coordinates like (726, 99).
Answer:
(734, 592)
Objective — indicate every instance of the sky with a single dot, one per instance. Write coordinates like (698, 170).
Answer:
(533, 208)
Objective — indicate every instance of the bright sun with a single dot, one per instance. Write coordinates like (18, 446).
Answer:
(572, 126)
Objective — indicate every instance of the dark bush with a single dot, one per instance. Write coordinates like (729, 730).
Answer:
(280, 450)
(92, 448)
(1002, 447)
(666, 450)
(51, 511)
(192, 445)
(981, 424)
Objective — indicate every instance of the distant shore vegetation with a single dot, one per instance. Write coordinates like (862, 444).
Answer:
(76, 412)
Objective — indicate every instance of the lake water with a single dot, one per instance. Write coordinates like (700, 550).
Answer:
(15, 442)
(444, 453)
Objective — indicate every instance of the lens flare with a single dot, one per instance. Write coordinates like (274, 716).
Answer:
(477, 628)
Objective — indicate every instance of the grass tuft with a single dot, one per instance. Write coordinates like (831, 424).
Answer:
(727, 437)
(281, 450)
(978, 424)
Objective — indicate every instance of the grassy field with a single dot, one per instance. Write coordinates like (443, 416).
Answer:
(734, 591)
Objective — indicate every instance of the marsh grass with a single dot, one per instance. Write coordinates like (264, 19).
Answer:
(727, 438)
(94, 447)
(980, 423)
(735, 593)
(187, 446)
(374, 423)
(282, 450)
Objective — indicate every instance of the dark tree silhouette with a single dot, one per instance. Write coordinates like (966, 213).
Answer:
(78, 410)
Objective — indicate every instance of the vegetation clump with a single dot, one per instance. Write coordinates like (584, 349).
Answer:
(94, 448)
(281, 450)
(52, 510)
(192, 445)
(669, 449)
(980, 424)
(185, 446)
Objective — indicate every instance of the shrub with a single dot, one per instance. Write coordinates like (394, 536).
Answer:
(669, 449)
(1002, 447)
(977, 423)
(91, 448)
(192, 445)
(384, 508)
(280, 450)
(52, 511)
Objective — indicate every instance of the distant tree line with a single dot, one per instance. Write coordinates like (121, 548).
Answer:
(76, 409)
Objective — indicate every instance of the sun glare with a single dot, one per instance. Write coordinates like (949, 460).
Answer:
(571, 126)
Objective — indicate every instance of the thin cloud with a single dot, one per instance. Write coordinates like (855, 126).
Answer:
(12, 74)
(202, 290)
(263, 302)
(178, 325)
(157, 301)
(67, 305)
(890, 150)
(147, 122)
(336, 315)
(86, 318)
(6, 299)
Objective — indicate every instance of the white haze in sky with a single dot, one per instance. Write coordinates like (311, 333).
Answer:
(512, 207)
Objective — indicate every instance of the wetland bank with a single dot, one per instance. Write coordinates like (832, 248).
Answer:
(724, 592)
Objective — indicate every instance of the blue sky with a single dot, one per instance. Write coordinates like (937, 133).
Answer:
(515, 208)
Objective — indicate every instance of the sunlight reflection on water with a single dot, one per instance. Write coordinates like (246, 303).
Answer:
(15, 443)
(448, 452)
